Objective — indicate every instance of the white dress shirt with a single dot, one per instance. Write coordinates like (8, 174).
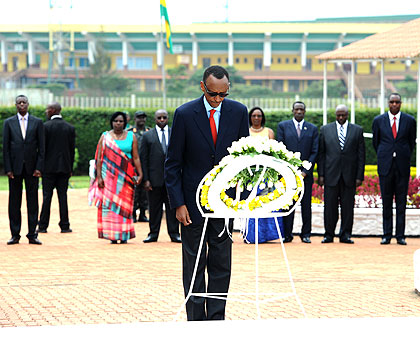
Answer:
(165, 131)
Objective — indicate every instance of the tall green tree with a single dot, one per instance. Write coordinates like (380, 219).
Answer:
(101, 80)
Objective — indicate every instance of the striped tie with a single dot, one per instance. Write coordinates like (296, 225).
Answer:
(341, 137)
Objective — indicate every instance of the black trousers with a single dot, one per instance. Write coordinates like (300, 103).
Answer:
(306, 211)
(217, 255)
(157, 197)
(394, 185)
(140, 200)
(342, 195)
(15, 203)
(60, 182)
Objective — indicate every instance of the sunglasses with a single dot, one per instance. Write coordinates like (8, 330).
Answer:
(214, 94)
(395, 101)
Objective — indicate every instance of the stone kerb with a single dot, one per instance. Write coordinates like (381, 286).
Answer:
(367, 221)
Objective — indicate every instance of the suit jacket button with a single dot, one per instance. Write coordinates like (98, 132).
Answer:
(212, 156)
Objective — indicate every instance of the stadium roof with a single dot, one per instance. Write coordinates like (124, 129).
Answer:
(399, 43)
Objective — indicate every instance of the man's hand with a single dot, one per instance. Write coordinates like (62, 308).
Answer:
(182, 215)
(358, 183)
(303, 174)
(37, 173)
(148, 186)
(10, 175)
(321, 180)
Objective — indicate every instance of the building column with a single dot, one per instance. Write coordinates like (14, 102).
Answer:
(303, 51)
(194, 51)
(4, 59)
(125, 54)
(267, 51)
(91, 51)
(31, 53)
(230, 50)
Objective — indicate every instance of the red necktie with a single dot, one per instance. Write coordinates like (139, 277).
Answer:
(394, 128)
(213, 126)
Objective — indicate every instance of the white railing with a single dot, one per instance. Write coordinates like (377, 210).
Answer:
(136, 102)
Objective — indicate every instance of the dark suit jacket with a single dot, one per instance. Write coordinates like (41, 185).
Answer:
(307, 144)
(191, 152)
(152, 158)
(60, 139)
(18, 151)
(334, 162)
(385, 145)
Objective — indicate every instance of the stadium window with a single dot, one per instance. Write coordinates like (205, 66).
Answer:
(287, 60)
(206, 62)
(245, 60)
(294, 60)
(226, 60)
(219, 60)
(237, 60)
(83, 62)
(279, 60)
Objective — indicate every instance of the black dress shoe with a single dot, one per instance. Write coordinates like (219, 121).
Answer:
(176, 239)
(306, 239)
(42, 230)
(149, 239)
(114, 242)
(143, 218)
(386, 241)
(287, 239)
(327, 240)
(401, 241)
(34, 241)
(123, 242)
(347, 240)
(66, 230)
(13, 240)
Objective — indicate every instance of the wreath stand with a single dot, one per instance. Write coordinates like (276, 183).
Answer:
(259, 296)
(220, 211)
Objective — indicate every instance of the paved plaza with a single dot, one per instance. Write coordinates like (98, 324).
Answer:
(78, 279)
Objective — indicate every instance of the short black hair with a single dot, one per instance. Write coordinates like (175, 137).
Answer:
(216, 71)
(251, 112)
(394, 94)
(299, 102)
(21, 96)
(115, 115)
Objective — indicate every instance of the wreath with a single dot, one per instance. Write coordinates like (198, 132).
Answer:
(258, 176)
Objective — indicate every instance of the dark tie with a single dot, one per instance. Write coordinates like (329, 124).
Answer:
(394, 128)
(213, 126)
(298, 130)
(163, 142)
(341, 137)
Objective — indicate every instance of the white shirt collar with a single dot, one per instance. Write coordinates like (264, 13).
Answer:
(209, 107)
(56, 116)
(345, 125)
(391, 116)
(296, 122)
(165, 129)
(24, 117)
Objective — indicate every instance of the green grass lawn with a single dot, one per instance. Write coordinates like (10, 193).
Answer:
(76, 182)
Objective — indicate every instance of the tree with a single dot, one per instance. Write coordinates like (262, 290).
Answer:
(177, 81)
(336, 89)
(408, 87)
(100, 80)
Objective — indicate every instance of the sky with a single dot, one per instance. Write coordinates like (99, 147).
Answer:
(192, 11)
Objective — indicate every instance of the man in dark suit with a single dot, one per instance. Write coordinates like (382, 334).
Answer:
(341, 167)
(23, 154)
(154, 146)
(394, 139)
(202, 131)
(60, 140)
(300, 136)
(140, 195)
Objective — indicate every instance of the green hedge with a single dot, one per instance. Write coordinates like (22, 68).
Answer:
(91, 122)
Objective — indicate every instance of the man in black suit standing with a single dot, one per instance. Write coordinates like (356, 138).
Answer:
(300, 136)
(60, 140)
(140, 195)
(202, 131)
(154, 146)
(394, 139)
(341, 167)
(23, 154)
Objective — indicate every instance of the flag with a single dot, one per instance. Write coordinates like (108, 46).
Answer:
(164, 13)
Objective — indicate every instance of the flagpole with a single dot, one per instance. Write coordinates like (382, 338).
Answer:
(162, 51)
